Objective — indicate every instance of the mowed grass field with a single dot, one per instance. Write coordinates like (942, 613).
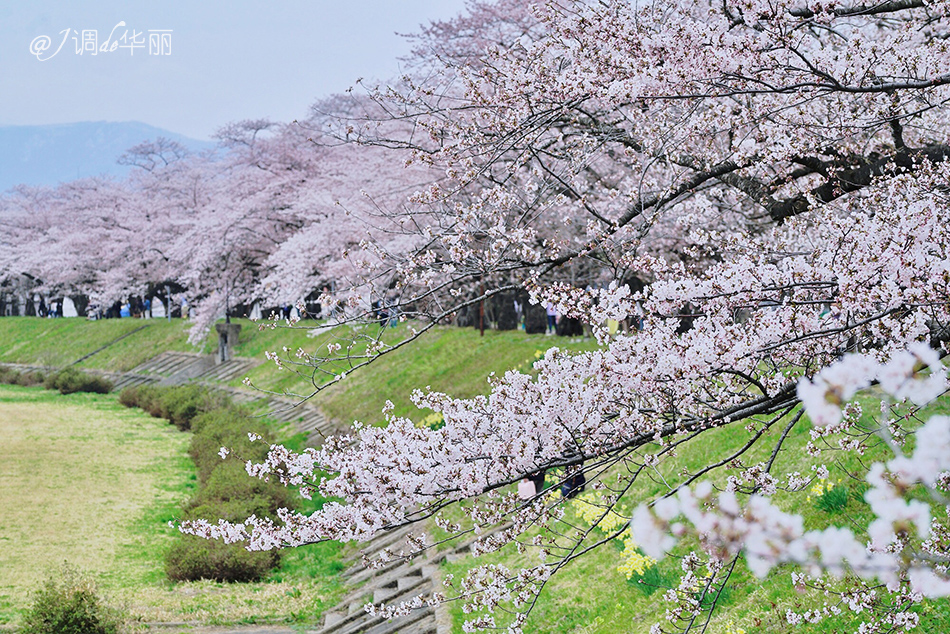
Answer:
(89, 482)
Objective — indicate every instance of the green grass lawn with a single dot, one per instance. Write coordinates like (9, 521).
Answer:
(90, 482)
(58, 342)
(87, 481)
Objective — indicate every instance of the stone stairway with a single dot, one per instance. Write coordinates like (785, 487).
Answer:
(121, 381)
(398, 580)
(178, 368)
(305, 416)
(174, 368)
(392, 583)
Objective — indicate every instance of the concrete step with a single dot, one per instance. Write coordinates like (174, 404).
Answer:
(367, 623)
(167, 365)
(388, 539)
(123, 381)
(394, 540)
(151, 364)
(395, 587)
(242, 367)
(212, 374)
(407, 582)
(167, 362)
(187, 370)
(389, 578)
(361, 573)
(332, 618)
(284, 414)
(312, 421)
(163, 364)
(420, 621)
(235, 368)
(357, 620)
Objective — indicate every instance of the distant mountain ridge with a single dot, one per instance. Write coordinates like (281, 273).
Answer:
(50, 154)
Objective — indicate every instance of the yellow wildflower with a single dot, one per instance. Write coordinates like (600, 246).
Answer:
(590, 508)
(631, 561)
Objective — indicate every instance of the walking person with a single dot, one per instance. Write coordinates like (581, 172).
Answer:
(552, 318)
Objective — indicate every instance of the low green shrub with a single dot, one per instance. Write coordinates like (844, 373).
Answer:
(226, 492)
(226, 427)
(50, 381)
(71, 380)
(229, 482)
(182, 403)
(179, 404)
(191, 558)
(232, 510)
(233, 420)
(152, 401)
(150, 398)
(129, 396)
(30, 378)
(68, 603)
(8, 375)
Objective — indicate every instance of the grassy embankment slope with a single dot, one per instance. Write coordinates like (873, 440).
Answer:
(592, 596)
(57, 342)
(589, 595)
(454, 360)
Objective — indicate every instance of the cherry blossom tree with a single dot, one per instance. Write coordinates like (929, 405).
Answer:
(267, 217)
(51, 231)
(777, 171)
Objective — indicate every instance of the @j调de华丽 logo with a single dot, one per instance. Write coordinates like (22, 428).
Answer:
(157, 42)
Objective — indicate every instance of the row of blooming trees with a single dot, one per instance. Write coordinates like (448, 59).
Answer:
(266, 218)
(778, 171)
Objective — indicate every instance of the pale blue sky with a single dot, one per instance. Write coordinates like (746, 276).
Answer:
(229, 60)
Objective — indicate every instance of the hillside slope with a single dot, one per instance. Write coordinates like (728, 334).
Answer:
(50, 154)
